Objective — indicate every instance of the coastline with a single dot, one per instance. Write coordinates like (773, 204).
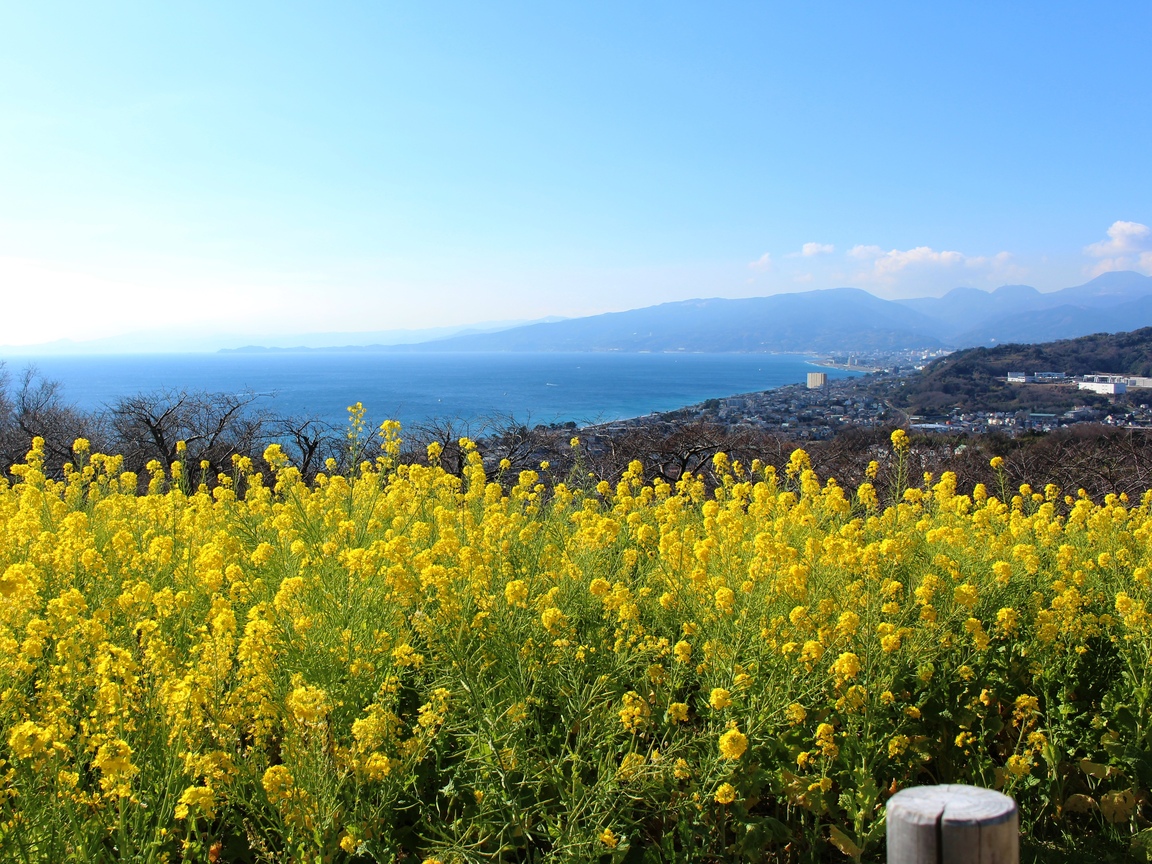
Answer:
(828, 364)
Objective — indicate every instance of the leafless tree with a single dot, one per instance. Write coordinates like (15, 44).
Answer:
(213, 426)
(34, 406)
(445, 431)
(309, 441)
(525, 446)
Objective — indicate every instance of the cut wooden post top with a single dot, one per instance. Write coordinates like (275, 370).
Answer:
(952, 824)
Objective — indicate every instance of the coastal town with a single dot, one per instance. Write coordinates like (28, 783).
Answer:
(822, 407)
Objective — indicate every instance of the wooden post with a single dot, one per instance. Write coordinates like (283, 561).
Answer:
(952, 824)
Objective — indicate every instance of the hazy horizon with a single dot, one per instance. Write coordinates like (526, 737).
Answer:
(162, 341)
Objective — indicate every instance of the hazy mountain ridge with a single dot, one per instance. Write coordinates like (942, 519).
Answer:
(967, 317)
(782, 322)
(835, 320)
(838, 319)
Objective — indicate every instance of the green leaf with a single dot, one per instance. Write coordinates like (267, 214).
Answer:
(1141, 845)
(844, 843)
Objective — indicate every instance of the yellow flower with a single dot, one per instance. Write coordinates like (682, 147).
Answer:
(966, 595)
(848, 624)
(846, 666)
(1003, 572)
(405, 655)
(733, 744)
(198, 798)
(725, 600)
(634, 712)
(516, 592)
(825, 740)
(719, 698)
(811, 652)
(1025, 707)
(725, 794)
(795, 714)
(678, 712)
(552, 619)
(114, 759)
(278, 783)
(307, 704)
(997, 462)
(608, 838)
(1019, 766)
(1007, 619)
(824, 784)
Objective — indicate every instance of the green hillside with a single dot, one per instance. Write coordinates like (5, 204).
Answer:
(974, 379)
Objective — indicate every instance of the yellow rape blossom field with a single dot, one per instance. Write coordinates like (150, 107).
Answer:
(404, 665)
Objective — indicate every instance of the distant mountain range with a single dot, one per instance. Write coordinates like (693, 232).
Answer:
(1110, 303)
(812, 321)
(838, 319)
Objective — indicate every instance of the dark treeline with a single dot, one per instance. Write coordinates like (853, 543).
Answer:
(216, 427)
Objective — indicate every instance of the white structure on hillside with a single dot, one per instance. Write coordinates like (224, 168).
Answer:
(1110, 385)
(816, 380)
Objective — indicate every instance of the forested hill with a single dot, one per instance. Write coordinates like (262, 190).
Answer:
(974, 379)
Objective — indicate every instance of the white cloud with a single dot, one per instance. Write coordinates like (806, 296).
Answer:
(865, 252)
(1128, 247)
(916, 272)
(763, 263)
(923, 269)
(809, 250)
(1123, 237)
(895, 260)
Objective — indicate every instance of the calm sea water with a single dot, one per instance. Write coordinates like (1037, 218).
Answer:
(534, 388)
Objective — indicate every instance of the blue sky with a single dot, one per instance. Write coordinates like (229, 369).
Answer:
(291, 167)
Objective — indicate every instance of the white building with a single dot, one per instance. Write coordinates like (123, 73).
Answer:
(1110, 385)
(1036, 377)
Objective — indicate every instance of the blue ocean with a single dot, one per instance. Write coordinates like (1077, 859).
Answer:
(532, 388)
